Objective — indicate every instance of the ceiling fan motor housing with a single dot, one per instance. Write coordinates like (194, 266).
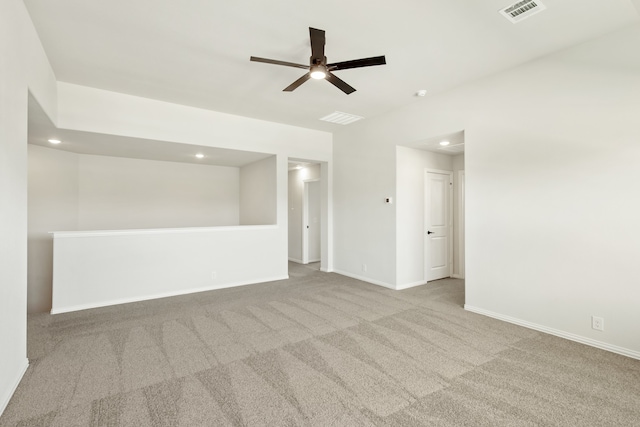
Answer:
(317, 61)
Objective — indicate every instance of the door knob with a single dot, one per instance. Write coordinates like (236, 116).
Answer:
(430, 232)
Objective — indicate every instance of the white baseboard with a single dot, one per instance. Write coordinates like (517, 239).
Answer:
(562, 334)
(4, 401)
(299, 261)
(366, 279)
(59, 310)
(457, 276)
(411, 285)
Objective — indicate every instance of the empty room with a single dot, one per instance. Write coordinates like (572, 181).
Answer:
(334, 214)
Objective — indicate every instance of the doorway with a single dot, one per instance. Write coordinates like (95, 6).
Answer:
(309, 220)
(312, 227)
(438, 232)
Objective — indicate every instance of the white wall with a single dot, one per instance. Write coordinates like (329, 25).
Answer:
(551, 155)
(296, 193)
(410, 256)
(95, 110)
(326, 220)
(94, 269)
(52, 205)
(295, 216)
(258, 192)
(458, 217)
(23, 68)
(364, 226)
(120, 193)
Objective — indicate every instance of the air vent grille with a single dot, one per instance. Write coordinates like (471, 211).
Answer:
(522, 10)
(341, 118)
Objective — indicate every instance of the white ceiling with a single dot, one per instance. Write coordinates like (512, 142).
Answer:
(456, 144)
(300, 164)
(196, 52)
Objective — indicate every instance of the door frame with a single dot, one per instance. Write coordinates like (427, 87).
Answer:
(449, 220)
(305, 220)
(460, 225)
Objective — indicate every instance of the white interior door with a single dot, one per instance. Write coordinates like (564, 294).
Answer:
(312, 222)
(438, 225)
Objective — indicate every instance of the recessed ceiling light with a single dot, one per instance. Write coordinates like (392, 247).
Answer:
(422, 92)
(444, 143)
(200, 156)
(54, 141)
(298, 167)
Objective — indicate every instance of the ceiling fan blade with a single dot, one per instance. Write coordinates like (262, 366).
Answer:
(293, 86)
(340, 84)
(276, 62)
(317, 43)
(357, 63)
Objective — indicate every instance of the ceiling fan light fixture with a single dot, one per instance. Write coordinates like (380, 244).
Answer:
(318, 72)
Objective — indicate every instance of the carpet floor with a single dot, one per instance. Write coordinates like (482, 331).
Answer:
(318, 349)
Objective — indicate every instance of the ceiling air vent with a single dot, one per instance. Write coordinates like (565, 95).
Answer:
(341, 118)
(522, 10)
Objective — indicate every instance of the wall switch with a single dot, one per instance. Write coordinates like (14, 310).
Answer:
(597, 323)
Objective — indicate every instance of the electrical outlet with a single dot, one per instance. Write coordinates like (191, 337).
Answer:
(214, 275)
(597, 323)
(364, 268)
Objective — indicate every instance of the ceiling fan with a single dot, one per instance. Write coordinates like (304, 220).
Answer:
(318, 67)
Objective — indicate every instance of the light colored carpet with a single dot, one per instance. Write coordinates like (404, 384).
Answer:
(316, 350)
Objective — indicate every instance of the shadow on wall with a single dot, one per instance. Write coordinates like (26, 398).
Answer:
(39, 272)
